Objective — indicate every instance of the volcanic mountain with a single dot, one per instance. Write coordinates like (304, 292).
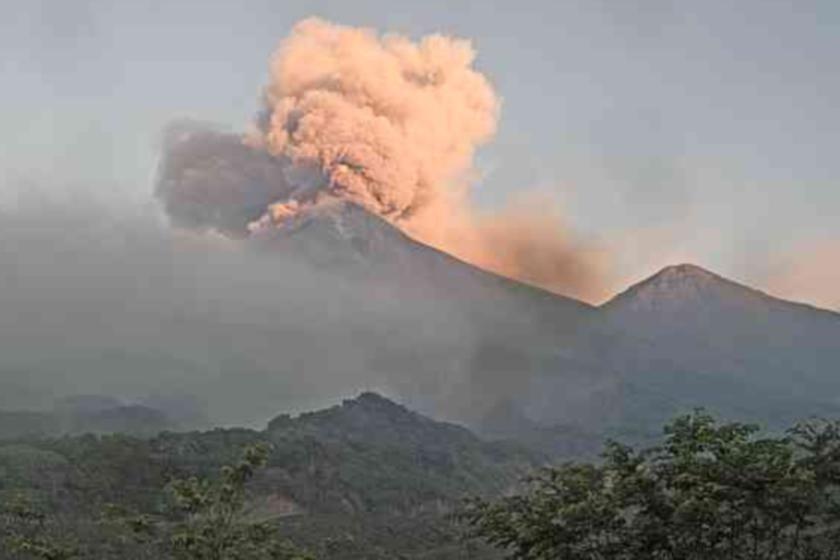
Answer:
(549, 369)
(687, 337)
(521, 337)
(338, 300)
(343, 238)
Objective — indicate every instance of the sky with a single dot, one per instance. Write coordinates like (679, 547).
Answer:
(667, 131)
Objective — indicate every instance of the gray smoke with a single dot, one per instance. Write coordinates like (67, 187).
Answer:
(210, 179)
(105, 300)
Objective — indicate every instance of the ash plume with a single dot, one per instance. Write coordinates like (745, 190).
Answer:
(388, 123)
(527, 239)
(209, 179)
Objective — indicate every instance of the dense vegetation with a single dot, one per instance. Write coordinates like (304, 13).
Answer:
(366, 479)
(370, 479)
(206, 521)
(709, 491)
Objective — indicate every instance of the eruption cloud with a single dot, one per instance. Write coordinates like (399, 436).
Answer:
(387, 123)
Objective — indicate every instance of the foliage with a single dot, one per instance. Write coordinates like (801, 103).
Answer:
(212, 522)
(710, 491)
(364, 479)
(26, 534)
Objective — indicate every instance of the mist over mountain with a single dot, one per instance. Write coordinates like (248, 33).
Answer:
(517, 333)
(339, 300)
(88, 414)
(294, 285)
(99, 302)
(365, 265)
(562, 372)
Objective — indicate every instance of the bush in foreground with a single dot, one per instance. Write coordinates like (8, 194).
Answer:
(709, 491)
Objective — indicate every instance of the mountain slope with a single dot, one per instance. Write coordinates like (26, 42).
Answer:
(521, 337)
(344, 238)
(388, 458)
(365, 479)
(556, 373)
(688, 337)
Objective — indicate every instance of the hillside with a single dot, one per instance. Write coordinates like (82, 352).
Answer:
(504, 339)
(368, 473)
(687, 337)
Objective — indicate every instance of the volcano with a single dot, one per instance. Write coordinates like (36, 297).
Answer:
(341, 237)
(522, 337)
(691, 338)
(545, 366)
(338, 300)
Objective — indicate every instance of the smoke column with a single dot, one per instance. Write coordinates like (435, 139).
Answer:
(387, 123)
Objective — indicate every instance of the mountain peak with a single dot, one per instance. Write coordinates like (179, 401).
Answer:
(367, 409)
(687, 278)
(686, 271)
(341, 217)
(687, 287)
(375, 420)
(374, 403)
(684, 285)
(338, 233)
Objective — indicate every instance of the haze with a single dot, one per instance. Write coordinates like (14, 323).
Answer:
(706, 127)
(663, 133)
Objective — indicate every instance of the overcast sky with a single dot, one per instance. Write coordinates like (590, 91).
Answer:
(702, 131)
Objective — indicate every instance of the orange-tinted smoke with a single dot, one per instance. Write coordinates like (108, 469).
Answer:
(528, 240)
(386, 122)
(390, 124)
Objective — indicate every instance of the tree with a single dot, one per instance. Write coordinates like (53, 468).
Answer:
(211, 522)
(26, 534)
(709, 491)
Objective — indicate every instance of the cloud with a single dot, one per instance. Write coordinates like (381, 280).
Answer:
(385, 122)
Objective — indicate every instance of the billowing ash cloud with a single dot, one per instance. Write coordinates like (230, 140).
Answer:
(388, 123)
(210, 180)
